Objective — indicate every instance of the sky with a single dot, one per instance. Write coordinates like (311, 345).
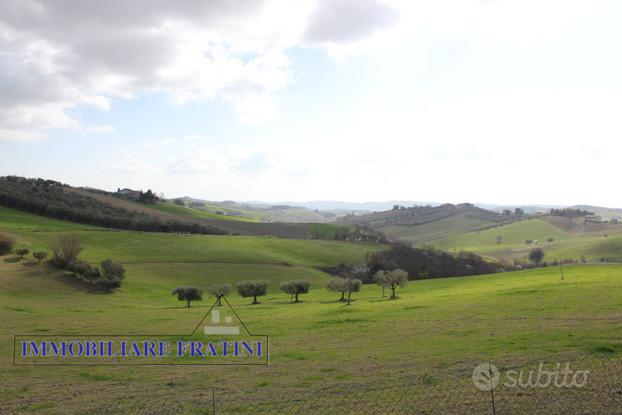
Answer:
(484, 101)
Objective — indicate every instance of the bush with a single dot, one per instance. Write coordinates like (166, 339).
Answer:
(22, 252)
(536, 256)
(39, 255)
(66, 249)
(111, 275)
(6, 243)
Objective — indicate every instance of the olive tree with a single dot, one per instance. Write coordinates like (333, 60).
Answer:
(380, 279)
(188, 294)
(536, 256)
(295, 288)
(219, 291)
(353, 285)
(112, 274)
(22, 252)
(39, 255)
(337, 284)
(396, 278)
(6, 243)
(253, 289)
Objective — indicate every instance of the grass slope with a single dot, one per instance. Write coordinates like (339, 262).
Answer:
(437, 329)
(569, 240)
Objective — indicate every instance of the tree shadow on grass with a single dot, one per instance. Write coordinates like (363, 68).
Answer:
(79, 285)
(11, 260)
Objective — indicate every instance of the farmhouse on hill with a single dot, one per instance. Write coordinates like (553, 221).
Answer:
(129, 193)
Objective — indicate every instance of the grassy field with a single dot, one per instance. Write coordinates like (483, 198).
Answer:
(437, 330)
(436, 327)
(430, 232)
(557, 243)
(203, 213)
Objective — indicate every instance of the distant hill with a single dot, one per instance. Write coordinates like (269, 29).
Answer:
(604, 212)
(348, 207)
(260, 212)
(107, 209)
(427, 223)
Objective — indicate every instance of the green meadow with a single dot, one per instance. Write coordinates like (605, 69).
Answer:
(556, 242)
(437, 329)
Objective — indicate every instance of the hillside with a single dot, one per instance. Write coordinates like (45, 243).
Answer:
(432, 338)
(99, 208)
(259, 212)
(560, 238)
(604, 212)
(422, 224)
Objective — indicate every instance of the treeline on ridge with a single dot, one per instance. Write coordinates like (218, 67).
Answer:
(48, 198)
(428, 262)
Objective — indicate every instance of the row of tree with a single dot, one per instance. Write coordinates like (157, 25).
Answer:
(49, 198)
(246, 289)
(571, 213)
(345, 285)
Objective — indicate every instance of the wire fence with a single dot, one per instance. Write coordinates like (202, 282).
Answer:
(601, 394)
(456, 393)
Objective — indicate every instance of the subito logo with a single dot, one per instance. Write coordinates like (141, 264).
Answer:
(486, 377)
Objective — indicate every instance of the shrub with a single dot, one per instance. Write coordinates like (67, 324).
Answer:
(66, 249)
(22, 252)
(111, 275)
(39, 255)
(536, 256)
(6, 243)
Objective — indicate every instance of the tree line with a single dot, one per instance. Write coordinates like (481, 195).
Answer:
(48, 198)
(428, 262)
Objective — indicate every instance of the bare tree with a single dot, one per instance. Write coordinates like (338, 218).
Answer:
(66, 248)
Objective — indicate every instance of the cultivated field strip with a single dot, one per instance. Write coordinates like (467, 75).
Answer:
(411, 394)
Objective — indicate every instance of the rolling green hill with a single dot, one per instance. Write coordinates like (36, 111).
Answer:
(284, 256)
(560, 238)
(259, 212)
(100, 208)
(436, 332)
(422, 224)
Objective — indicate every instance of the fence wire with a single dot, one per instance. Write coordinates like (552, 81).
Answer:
(404, 394)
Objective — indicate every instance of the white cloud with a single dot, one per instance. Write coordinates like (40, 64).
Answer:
(55, 55)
